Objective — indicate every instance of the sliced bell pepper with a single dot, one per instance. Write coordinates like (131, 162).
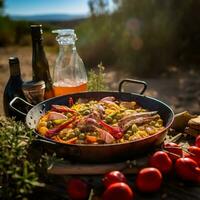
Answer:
(59, 121)
(59, 108)
(58, 128)
(116, 132)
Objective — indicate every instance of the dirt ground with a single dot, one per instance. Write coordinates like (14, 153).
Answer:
(179, 90)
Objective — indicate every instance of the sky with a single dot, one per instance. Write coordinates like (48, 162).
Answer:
(33, 7)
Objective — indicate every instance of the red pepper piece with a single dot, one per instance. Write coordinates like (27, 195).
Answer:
(59, 108)
(55, 130)
(116, 132)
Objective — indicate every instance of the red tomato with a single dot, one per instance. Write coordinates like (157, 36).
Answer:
(113, 177)
(197, 141)
(118, 191)
(149, 179)
(194, 153)
(174, 151)
(161, 161)
(187, 169)
(77, 189)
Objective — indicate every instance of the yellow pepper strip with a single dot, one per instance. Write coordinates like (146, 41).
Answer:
(59, 121)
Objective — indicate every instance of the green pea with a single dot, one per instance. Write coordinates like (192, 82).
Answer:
(118, 116)
(71, 135)
(86, 112)
(49, 124)
(81, 136)
(129, 132)
(126, 136)
(77, 131)
(134, 128)
(108, 119)
(94, 134)
(114, 121)
(113, 114)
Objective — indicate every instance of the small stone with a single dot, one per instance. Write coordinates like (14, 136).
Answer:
(194, 123)
(191, 131)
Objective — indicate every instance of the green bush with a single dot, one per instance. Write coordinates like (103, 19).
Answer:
(18, 176)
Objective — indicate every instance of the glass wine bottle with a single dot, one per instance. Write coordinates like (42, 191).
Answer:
(13, 88)
(40, 66)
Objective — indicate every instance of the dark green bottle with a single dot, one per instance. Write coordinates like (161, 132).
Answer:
(13, 89)
(40, 66)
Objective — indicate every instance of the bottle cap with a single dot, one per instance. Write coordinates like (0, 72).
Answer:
(65, 36)
(13, 60)
(64, 31)
(36, 31)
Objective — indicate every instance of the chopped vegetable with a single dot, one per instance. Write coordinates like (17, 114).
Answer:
(91, 139)
(55, 130)
(107, 121)
(114, 131)
(59, 108)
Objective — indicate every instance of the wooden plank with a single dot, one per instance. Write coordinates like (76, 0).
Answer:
(67, 168)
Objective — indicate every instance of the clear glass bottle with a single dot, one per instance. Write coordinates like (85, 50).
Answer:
(69, 75)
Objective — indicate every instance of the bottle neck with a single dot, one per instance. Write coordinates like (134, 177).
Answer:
(67, 48)
(15, 70)
(37, 45)
(39, 61)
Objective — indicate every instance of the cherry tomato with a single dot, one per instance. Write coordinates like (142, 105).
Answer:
(187, 169)
(113, 177)
(197, 141)
(161, 161)
(174, 151)
(194, 153)
(118, 191)
(149, 179)
(77, 189)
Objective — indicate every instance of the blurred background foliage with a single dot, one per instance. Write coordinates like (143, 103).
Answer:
(146, 38)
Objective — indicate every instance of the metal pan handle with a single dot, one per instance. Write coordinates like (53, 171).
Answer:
(62, 150)
(135, 82)
(25, 103)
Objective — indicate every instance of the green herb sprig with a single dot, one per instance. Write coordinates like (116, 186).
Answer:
(96, 80)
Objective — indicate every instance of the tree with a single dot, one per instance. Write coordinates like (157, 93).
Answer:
(98, 7)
